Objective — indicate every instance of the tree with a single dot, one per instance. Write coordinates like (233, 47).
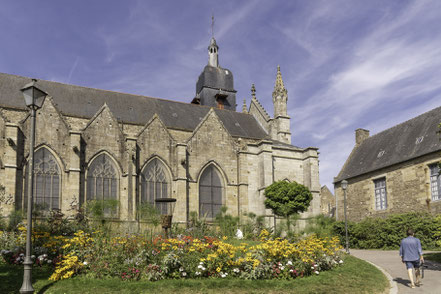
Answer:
(286, 199)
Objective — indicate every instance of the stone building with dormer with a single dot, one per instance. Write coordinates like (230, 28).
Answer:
(95, 144)
(394, 171)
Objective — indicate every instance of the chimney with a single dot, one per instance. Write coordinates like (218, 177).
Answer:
(360, 136)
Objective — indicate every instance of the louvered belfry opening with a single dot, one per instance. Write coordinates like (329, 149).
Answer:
(155, 184)
(210, 193)
(47, 181)
(102, 182)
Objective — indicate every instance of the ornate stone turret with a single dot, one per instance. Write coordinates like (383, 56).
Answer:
(280, 96)
(281, 122)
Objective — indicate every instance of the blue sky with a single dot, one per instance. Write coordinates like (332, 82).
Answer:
(346, 64)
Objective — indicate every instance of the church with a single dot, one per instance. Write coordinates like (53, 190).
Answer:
(93, 144)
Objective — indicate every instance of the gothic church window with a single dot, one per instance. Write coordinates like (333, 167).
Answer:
(210, 193)
(46, 181)
(380, 194)
(155, 183)
(435, 182)
(102, 183)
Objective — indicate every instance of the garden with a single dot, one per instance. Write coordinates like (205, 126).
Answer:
(71, 256)
(86, 252)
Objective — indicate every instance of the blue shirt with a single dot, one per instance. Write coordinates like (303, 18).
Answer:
(410, 249)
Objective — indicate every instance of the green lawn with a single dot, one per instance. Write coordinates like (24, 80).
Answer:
(356, 276)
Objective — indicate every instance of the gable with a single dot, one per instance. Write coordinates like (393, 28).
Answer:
(154, 139)
(103, 133)
(51, 129)
(211, 141)
(260, 114)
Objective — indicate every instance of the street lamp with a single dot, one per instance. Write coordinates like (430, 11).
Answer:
(344, 186)
(34, 99)
(167, 213)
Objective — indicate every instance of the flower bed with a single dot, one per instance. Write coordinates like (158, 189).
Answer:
(134, 257)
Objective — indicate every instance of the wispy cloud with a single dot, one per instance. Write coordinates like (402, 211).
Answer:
(384, 67)
(74, 66)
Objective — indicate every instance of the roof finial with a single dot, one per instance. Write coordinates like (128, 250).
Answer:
(253, 91)
(244, 106)
(212, 25)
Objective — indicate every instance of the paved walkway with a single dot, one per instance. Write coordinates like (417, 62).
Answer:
(390, 262)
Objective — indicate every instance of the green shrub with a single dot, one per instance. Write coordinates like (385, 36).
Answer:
(386, 233)
(321, 226)
(15, 218)
(226, 222)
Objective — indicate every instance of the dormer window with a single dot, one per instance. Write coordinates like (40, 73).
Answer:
(419, 140)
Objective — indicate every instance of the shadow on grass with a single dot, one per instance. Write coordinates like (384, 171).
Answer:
(11, 277)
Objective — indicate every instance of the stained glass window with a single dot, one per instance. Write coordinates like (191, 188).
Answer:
(210, 193)
(155, 183)
(102, 181)
(46, 181)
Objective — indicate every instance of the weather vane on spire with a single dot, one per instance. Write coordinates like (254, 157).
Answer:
(212, 25)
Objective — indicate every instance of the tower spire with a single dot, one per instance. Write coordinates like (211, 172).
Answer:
(279, 87)
(213, 58)
(212, 25)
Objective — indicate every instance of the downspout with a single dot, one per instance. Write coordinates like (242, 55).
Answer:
(273, 169)
(187, 188)
(238, 184)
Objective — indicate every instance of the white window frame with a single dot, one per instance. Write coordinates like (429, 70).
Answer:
(380, 194)
(435, 182)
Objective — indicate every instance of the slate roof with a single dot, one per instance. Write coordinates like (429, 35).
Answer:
(133, 109)
(399, 143)
(216, 78)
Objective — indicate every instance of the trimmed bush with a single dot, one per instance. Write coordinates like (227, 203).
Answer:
(386, 233)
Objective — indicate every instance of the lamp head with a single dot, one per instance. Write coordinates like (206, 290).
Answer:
(34, 97)
(344, 184)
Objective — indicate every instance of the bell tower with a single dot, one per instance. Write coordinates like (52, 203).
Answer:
(215, 86)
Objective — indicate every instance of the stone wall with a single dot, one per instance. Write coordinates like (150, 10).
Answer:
(327, 202)
(407, 186)
(247, 165)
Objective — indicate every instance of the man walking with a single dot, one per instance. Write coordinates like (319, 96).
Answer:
(411, 254)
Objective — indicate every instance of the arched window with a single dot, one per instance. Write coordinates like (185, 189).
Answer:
(210, 192)
(155, 183)
(102, 181)
(46, 181)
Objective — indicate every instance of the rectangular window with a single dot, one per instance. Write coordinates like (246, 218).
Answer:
(380, 194)
(435, 182)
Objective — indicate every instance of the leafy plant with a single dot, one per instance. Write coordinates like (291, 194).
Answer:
(226, 222)
(286, 199)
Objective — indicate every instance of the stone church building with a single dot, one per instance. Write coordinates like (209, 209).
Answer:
(394, 171)
(95, 145)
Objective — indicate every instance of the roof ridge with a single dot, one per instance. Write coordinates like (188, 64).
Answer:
(402, 123)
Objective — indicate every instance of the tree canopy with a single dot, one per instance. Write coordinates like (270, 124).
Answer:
(285, 198)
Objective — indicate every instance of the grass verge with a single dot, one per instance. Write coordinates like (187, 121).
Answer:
(355, 276)
(433, 256)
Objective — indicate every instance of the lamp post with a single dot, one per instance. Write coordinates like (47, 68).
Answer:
(167, 213)
(344, 186)
(34, 99)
